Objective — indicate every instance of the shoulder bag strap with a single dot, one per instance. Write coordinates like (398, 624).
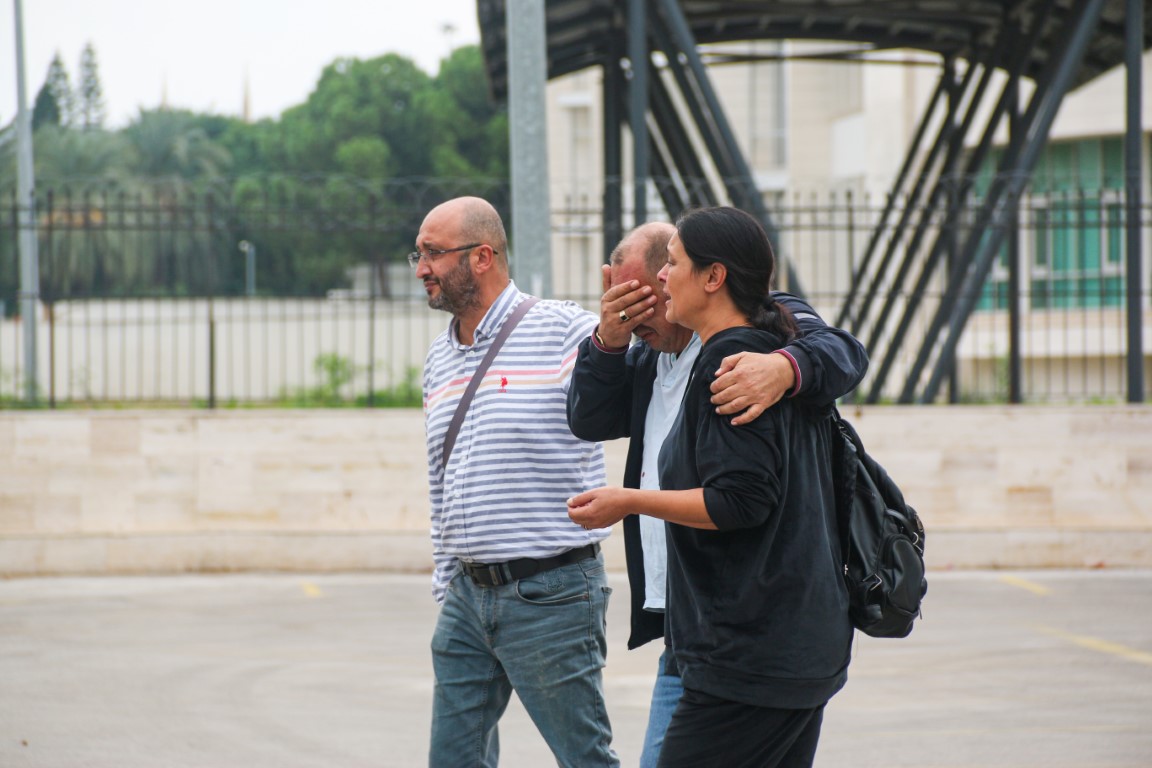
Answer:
(466, 399)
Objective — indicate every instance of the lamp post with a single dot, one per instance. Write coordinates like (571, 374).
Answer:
(531, 245)
(29, 256)
(249, 252)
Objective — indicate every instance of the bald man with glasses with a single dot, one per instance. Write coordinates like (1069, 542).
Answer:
(522, 590)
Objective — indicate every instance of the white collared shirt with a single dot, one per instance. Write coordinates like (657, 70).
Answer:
(672, 373)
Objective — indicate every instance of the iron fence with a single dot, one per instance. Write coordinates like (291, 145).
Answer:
(295, 291)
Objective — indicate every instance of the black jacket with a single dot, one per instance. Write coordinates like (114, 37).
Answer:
(608, 399)
(758, 609)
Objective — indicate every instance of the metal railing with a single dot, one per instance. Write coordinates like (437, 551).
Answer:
(148, 298)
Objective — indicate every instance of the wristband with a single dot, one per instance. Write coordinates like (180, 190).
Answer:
(795, 371)
(604, 347)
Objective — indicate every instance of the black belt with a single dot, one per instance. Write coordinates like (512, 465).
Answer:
(499, 574)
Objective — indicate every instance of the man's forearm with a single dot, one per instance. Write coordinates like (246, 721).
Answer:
(599, 395)
(830, 361)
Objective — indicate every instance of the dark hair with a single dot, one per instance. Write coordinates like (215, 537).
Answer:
(735, 239)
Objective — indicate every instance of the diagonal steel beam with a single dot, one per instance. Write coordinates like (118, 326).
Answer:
(664, 165)
(1013, 175)
(943, 188)
(910, 202)
(712, 143)
(1018, 48)
(690, 73)
(682, 155)
(847, 319)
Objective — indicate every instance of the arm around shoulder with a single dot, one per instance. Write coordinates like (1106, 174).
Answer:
(830, 362)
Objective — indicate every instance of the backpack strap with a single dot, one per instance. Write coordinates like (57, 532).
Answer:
(474, 384)
(845, 465)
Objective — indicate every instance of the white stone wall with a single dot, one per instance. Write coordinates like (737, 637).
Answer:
(196, 490)
(1035, 487)
(173, 491)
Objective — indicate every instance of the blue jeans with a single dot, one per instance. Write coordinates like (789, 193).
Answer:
(665, 696)
(543, 637)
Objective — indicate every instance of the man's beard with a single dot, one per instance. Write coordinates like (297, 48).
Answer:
(459, 290)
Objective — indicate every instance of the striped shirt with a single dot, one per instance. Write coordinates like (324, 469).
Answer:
(515, 463)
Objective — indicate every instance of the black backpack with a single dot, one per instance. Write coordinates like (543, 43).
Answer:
(882, 539)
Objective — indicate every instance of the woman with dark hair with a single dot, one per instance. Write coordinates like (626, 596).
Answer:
(757, 610)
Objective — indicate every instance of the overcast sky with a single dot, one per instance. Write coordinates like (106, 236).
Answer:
(200, 53)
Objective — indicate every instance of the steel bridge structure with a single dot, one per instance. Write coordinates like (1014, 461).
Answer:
(985, 48)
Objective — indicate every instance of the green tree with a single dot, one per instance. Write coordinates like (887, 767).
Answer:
(90, 93)
(364, 156)
(378, 98)
(54, 101)
(481, 136)
(383, 118)
(374, 121)
(247, 144)
(45, 110)
(82, 252)
(176, 144)
(157, 207)
(64, 155)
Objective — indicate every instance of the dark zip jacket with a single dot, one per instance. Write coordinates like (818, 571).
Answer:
(609, 395)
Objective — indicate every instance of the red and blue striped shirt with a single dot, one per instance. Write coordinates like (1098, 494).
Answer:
(503, 494)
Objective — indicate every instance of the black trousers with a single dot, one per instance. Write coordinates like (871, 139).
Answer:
(706, 731)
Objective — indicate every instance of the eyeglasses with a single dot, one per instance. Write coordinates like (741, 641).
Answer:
(430, 254)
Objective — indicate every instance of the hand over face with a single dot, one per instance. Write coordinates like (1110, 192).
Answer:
(622, 308)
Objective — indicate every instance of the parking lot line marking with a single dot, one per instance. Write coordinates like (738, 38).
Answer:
(311, 589)
(1031, 586)
(1103, 646)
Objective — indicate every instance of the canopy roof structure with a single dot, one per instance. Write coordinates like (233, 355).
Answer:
(582, 33)
(956, 235)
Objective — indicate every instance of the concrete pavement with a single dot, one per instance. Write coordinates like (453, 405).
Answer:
(1006, 670)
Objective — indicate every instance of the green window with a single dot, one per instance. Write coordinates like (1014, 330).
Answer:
(1071, 230)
